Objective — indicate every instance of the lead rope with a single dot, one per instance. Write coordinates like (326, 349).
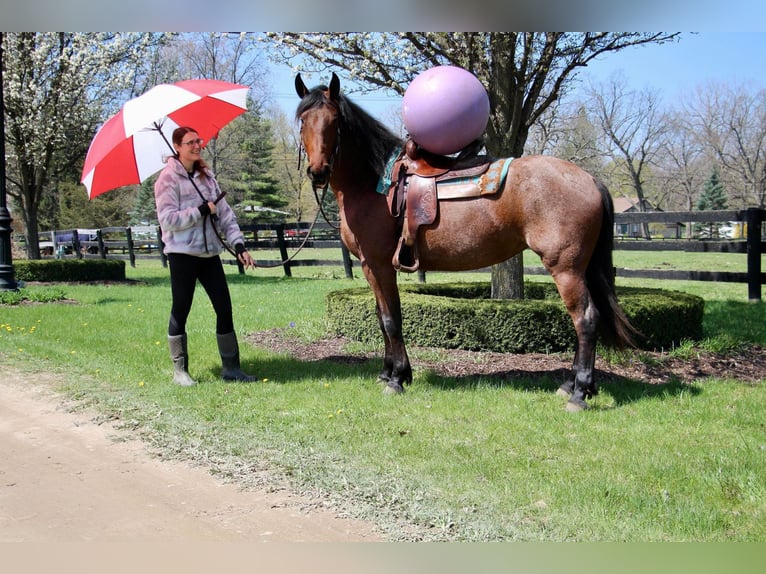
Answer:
(211, 218)
(226, 245)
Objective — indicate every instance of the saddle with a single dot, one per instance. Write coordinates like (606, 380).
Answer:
(419, 179)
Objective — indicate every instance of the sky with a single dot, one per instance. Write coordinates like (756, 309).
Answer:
(672, 68)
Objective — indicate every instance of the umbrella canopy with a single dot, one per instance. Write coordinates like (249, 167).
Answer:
(134, 143)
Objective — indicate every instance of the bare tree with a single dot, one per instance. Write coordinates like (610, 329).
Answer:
(634, 126)
(285, 156)
(732, 120)
(684, 163)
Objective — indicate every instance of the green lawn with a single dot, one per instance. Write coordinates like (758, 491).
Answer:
(452, 459)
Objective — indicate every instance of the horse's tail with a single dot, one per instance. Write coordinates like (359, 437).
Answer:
(614, 327)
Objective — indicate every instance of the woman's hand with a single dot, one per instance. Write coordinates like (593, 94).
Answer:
(246, 260)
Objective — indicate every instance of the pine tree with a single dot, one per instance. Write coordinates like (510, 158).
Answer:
(251, 179)
(144, 210)
(713, 197)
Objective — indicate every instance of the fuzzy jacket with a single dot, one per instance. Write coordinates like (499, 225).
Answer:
(184, 228)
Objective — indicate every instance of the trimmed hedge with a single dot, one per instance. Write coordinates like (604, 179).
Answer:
(69, 270)
(462, 316)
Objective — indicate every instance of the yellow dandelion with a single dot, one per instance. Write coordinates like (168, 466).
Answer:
(340, 411)
(327, 385)
(265, 380)
(141, 383)
(330, 416)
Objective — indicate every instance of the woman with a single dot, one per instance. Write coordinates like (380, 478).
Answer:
(194, 217)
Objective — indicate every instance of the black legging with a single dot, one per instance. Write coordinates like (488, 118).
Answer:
(185, 270)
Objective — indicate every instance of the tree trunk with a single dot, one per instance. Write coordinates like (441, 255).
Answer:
(508, 278)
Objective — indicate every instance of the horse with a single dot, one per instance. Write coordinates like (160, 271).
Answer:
(548, 205)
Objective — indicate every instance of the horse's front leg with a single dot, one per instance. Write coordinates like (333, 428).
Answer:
(397, 370)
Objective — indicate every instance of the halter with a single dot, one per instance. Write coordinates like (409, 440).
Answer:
(330, 162)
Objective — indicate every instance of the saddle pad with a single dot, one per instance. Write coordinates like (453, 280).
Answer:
(387, 178)
(486, 184)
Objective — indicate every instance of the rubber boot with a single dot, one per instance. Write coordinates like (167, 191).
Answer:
(229, 350)
(180, 356)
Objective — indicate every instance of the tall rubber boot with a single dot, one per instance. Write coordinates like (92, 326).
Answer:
(229, 350)
(180, 356)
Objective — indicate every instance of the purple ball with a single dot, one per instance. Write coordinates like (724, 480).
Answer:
(445, 108)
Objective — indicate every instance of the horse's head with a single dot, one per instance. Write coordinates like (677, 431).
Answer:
(319, 114)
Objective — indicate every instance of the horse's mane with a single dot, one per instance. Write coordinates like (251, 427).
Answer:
(372, 141)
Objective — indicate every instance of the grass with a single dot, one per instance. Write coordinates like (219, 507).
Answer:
(465, 458)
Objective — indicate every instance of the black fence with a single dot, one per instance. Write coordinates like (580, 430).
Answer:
(146, 242)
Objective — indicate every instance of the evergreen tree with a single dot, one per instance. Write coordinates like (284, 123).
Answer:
(248, 173)
(713, 197)
(144, 210)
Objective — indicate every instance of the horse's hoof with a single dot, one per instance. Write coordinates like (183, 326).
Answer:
(564, 391)
(576, 405)
(393, 389)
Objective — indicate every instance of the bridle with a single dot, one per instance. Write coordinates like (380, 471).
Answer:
(330, 162)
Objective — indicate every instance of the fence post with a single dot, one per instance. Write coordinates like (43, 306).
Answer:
(100, 239)
(76, 244)
(283, 249)
(346, 261)
(131, 247)
(754, 218)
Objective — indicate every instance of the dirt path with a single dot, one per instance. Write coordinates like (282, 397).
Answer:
(65, 478)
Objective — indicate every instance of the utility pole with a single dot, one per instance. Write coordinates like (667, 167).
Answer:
(7, 281)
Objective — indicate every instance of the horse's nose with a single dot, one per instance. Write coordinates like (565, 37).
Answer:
(319, 176)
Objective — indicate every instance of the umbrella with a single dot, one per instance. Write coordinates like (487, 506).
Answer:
(134, 143)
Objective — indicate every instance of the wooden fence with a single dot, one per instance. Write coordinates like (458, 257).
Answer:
(145, 242)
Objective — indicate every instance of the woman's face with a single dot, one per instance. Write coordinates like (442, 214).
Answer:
(189, 149)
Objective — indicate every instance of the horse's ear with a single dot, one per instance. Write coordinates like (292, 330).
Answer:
(334, 87)
(300, 87)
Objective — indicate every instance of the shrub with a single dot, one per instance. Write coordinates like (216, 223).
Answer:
(462, 316)
(70, 270)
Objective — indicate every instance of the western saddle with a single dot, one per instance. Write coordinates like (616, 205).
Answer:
(419, 179)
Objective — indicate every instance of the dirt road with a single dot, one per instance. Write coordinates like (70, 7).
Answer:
(66, 478)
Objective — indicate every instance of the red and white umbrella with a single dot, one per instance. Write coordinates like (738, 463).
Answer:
(134, 143)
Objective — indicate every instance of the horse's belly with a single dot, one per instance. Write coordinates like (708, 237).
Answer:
(463, 250)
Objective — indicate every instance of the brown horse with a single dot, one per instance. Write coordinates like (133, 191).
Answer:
(547, 205)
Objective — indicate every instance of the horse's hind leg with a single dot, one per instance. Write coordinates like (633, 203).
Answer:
(581, 385)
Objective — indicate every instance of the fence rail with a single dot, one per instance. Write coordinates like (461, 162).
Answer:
(146, 242)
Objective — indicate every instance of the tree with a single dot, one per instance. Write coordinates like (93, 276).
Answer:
(523, 72)
(683, 159)
(633, 125)
(732, 119)
(713, 197)
(57, 86)
(144, 211)
(251, 173)
(285, 156)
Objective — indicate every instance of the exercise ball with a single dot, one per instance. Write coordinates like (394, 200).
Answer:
(444, 109)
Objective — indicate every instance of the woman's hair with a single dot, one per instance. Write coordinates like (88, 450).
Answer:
(178, 136)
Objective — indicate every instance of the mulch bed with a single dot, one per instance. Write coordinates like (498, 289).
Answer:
(747, 365)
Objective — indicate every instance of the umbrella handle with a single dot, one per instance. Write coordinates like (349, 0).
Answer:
(158, 127)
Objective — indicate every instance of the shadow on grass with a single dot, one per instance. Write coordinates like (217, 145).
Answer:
(739, 320)
(624, 390)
